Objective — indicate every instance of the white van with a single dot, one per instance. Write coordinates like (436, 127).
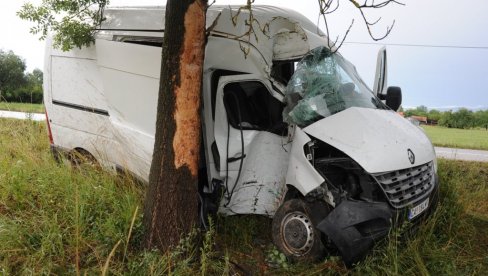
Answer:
(290, 130)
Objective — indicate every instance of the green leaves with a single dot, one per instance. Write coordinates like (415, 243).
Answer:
(71, 33)
(72, 23)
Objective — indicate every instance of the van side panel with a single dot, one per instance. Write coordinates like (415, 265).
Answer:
(84, 87)
(75, 103)
(130, 75)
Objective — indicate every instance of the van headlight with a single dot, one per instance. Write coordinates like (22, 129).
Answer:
(435, 165)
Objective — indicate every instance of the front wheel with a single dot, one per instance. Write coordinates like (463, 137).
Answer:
(294, 232)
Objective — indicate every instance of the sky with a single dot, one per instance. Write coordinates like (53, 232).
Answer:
(437, 50)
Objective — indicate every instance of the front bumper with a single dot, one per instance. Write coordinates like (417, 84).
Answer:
(354, 226)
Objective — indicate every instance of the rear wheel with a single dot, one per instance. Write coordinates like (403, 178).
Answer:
(294, 231)
(80, 157)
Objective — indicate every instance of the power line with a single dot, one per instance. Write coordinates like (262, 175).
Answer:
(419, 45)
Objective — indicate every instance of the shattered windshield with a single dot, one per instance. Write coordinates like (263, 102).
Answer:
(324, 84)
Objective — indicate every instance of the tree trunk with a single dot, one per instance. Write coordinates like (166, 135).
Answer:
(171, 205)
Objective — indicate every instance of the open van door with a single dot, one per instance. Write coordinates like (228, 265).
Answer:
(235, 95)
(380, 80)
(253, 155)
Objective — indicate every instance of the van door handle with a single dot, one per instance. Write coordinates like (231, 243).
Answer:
(233, 159)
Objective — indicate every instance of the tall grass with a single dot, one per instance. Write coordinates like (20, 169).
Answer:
(54, 218)
(59, 220)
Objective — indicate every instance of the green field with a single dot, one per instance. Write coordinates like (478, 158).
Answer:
(23, 107)
(55, 220)
(458, 138)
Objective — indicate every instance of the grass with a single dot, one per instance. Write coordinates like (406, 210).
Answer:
(458, 138)
(58, 220)
(22, 107)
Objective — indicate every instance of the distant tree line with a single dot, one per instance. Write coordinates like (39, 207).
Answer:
(17, 85)
(462, 118)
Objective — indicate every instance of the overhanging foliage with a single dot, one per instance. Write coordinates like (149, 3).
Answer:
(72, 23)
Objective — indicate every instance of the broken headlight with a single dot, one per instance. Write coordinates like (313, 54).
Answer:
(344, 178)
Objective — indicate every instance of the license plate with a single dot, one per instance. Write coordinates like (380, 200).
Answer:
(417, 210)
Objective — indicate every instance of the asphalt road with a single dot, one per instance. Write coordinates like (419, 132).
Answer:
(22, 115)
(462, 154)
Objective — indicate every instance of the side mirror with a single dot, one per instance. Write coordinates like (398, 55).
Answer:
(394, 97)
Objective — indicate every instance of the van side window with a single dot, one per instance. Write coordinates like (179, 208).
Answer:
(250, 105)
(282, 71)
(214, 82)
(141, 40)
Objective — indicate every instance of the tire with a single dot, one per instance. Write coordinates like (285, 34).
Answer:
(294, 232)
(81, 157)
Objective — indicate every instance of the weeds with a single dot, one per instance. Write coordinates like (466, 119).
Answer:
(58, 220)
(275, 258)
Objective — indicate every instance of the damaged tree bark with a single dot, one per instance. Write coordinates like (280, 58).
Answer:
(171, 204)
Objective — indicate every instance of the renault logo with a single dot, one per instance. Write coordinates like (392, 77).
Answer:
(411, 156)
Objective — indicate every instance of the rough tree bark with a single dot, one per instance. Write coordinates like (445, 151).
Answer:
(171, 205)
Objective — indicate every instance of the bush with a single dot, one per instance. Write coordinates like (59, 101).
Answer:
(462, 118)
(24, 94)
(16, 85)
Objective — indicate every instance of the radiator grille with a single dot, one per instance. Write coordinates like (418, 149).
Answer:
(406, 187)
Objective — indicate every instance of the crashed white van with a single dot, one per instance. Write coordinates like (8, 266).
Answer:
(290, 130)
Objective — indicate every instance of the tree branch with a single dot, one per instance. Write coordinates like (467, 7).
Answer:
(327, 7)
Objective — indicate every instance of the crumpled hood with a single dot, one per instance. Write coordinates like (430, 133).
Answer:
(378, 140)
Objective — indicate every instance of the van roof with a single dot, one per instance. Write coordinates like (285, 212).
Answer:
(151, 18)
(285, 34)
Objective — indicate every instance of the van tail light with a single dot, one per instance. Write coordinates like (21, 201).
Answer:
(49, 130)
